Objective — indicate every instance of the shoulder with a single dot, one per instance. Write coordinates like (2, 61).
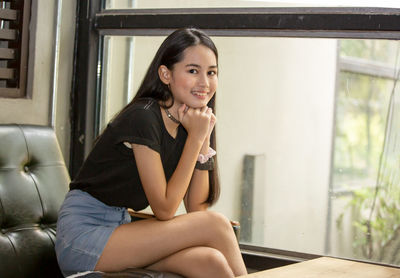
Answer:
(147, 104)
(143, 110)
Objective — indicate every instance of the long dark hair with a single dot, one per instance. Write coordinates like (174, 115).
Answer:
(170, 53)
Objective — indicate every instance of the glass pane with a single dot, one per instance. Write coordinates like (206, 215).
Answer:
(379, 51)
(365, 196)
(360, 129)
(161, 4)
(300, 138)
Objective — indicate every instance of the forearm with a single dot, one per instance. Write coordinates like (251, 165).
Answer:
(179, 182)
(164, 197)
(198, 190)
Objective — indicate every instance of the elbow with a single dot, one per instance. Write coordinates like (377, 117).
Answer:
(164, 211)
(196, 207)
(164, 215)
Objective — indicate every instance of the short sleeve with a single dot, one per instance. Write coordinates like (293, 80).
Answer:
(140, 126)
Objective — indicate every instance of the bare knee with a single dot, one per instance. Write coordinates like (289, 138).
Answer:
(218, 224)
(217, 220)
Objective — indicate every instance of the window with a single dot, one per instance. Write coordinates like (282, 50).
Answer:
(14, 16)
(274, 138)
(280, 110)
(365, 182)
(160, 4)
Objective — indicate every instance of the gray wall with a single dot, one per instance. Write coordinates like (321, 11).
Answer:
(51, 43)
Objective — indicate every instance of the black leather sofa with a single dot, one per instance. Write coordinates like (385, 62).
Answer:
(33, 183)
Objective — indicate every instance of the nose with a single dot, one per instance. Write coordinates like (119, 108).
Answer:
(203, 80)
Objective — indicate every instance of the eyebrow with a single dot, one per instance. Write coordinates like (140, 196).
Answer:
(198, 66)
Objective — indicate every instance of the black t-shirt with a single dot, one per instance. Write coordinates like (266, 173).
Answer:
(110, 173)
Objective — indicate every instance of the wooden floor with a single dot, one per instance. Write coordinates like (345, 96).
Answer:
(328, 268)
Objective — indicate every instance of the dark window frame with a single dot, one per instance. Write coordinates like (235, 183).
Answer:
(94, 22)
(16, 19)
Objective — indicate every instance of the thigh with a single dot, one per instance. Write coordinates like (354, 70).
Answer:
(145, 242)
(84, 226)
(195, 262)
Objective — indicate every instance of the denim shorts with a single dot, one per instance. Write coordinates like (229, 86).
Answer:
(83, 228)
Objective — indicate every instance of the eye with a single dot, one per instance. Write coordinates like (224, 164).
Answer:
(193, 71)
(212, 72)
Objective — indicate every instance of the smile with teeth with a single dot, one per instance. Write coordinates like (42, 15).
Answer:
(201, 94)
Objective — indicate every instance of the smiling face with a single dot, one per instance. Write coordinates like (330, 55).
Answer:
(194, 80)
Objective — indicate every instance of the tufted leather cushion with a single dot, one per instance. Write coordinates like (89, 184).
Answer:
(33, 183)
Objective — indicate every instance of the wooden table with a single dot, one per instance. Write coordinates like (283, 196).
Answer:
(325, 267)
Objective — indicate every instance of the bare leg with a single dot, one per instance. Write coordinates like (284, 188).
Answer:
(196, 262)
(146, 242)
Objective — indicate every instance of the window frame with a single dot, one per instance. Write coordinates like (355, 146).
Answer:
(16, 54)
(94, 22)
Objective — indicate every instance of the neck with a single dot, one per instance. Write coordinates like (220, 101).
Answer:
(171, 110)
(171, 126)
(171, 116)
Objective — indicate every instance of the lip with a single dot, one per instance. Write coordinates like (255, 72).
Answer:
(200, 94)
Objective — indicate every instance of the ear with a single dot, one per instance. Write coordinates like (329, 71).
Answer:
(165, 74)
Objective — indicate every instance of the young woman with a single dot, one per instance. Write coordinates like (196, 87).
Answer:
(155, 152)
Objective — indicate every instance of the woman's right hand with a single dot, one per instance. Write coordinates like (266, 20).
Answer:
(196, 121)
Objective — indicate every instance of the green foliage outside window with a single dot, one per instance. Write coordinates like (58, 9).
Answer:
(367, 152)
